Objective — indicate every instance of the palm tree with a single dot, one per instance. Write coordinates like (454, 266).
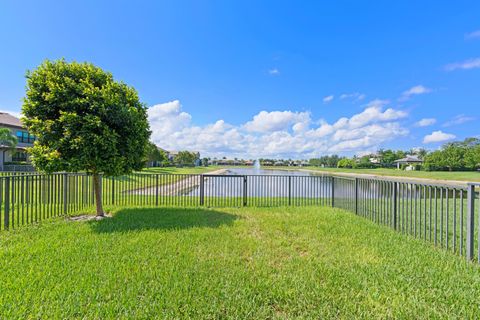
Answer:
(7, 141)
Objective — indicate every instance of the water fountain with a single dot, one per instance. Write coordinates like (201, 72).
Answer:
(256, 165)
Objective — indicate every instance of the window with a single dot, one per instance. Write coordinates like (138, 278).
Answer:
(19, 156)
(25, 137)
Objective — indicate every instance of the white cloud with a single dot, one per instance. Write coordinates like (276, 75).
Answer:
(167, 118)
(274, 72)
(413, 91)
(277, 120)
(438, 136)
(426, 122)
(277, 133)
(459, 119)
(377, 103)
(328, 99)
(464, 65)
(473, 35)
(356, 96)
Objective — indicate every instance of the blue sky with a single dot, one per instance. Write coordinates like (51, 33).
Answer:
(268, 78)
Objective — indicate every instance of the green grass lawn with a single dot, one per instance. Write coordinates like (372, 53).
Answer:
(437, 175)
(186, 170)
(255, 263)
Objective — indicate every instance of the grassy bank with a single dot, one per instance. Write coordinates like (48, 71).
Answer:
(436, 175)
(186, 170)
(229, 263)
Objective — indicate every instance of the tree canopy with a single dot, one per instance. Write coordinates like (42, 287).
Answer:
(84, 120)
(186, 158)
(458, 155)
(7, 139)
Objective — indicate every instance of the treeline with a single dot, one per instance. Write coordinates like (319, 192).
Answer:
(384, 158)
(454, 156)
(159, 158)
(458, 155)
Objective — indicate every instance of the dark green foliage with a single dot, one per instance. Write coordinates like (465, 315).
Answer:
(326, 161)
(459, 155)
(346, 163)
(155, 155)
(186, 158)
(388, 156)
(205, 162)
(84, 120)
(364, 163)
(472, 157)
(7, 138)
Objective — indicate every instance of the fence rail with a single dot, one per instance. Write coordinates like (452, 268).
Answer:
(446, 215)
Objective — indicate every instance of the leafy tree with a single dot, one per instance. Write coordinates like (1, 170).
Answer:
(84, 120)
(453, 156)
(205, 162)
(472, 157)
(327, 161)
(154, 154)
(7, 139)
(388, 156)
(185, 158)
(420, 152)
(346, 163)
(364, 162)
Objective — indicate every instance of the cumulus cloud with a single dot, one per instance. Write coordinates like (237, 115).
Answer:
(327, 99)
(473, 35)
(438, 136)
(276, 133)
(464, 65)
(426, 122)
(277, 121)
(413, 91)
(459, 119)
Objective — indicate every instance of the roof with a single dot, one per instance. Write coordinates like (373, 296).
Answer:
(9, 120)
(409, 159)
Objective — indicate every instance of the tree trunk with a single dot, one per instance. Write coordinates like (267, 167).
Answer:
(97, 186)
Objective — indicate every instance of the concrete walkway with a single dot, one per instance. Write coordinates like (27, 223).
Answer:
(174, 188)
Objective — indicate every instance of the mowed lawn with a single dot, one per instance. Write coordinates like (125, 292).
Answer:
(435, 175)
(183, 170)
(247, 263)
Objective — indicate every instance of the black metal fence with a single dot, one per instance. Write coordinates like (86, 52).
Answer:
(446, 215)
(443, 214)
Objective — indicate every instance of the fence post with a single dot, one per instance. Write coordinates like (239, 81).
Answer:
(202, 190)
(244, 191)
(470, 220)
(289, 190)
(356, 196)
(113, 191)
(65, 193)
(333, 191)
(7, 203)
(156, 190)
(394, 211)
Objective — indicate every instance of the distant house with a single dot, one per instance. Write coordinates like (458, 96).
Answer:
(25, 139)
(408, 160)
(171, 155)
(375, 158)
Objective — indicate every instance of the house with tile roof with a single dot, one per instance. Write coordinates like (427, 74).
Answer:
(25, 139)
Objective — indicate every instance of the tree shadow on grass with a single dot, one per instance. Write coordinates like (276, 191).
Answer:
(138, 219)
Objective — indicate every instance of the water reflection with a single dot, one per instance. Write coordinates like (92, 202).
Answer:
(242, 182)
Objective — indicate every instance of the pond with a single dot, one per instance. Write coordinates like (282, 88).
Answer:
(250, 182)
